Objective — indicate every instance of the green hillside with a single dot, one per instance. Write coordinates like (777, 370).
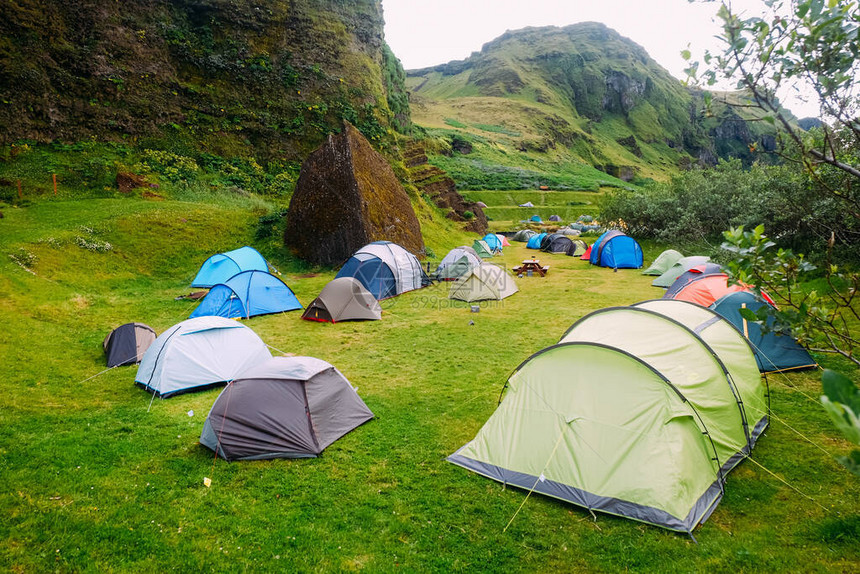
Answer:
(564, 99)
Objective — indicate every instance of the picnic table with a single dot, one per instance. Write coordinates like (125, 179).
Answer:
(532, 265)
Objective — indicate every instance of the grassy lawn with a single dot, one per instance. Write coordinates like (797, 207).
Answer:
(92, 479)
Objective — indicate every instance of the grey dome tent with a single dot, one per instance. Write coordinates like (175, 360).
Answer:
(197, 354)
(285, 407)
(523, 235)
(555, 218)
(559, 243)
(343, 299)
(456, 263)
(631, 413)
(127, 344)
(774, 351)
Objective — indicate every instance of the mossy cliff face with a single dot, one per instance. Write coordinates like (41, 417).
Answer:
(231, 77)
(347, 196)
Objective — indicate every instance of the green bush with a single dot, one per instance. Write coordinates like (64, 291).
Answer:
(697, 206)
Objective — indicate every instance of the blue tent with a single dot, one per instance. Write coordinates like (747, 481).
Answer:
(773, 351)
(247, 294)
(385, 269)
(535, 218)
(493, 242)
(222, 266)
(617, 250)
(535, 241)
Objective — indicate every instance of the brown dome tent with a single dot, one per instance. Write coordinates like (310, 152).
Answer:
(343, 299)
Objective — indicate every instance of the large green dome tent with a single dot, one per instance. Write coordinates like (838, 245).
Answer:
(632, 413)
(595, 426)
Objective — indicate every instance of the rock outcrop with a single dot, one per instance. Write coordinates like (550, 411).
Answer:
(346, 196)
(439, 187)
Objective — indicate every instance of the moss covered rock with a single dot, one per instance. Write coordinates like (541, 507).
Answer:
(347, 196)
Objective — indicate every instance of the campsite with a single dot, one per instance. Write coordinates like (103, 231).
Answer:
(85, 458)
(274, 299)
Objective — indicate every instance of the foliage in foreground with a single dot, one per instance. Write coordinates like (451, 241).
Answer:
(842, 401)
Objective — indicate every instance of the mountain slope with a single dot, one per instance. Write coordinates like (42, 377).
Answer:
(582, 93)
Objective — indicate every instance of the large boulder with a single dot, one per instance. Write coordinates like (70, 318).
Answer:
(347, 196)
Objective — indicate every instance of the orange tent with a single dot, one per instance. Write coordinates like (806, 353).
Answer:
(706, 289)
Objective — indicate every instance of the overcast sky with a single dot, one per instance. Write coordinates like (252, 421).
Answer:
(428, 32)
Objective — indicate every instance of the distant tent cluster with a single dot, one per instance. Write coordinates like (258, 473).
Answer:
(637, 411)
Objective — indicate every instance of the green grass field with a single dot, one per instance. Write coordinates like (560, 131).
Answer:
(92, 479)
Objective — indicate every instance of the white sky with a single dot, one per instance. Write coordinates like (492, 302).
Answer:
(428, 32)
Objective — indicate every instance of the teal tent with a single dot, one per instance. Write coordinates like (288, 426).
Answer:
(774, 351)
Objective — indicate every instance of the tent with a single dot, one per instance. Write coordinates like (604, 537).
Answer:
(126, 344)
(535, 218)
(285, 407)
(695, 273)
(774, 351)
(503, 239)
(482, 249)
(222, 266)
(663, 262)
(523, 235)
(614, 419)
(684, 264)
(456, 263)
(587, 255)
(569, 231)
(558, 243)
(197, 354)
(616, 249)
(493, 242)
(248, 294)
(343, 299)
(486, 281)
(705, 289)
(527, 204)
(535, 241)
(555, 218)
(385, 269)
(579, 248)
(481, 204)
